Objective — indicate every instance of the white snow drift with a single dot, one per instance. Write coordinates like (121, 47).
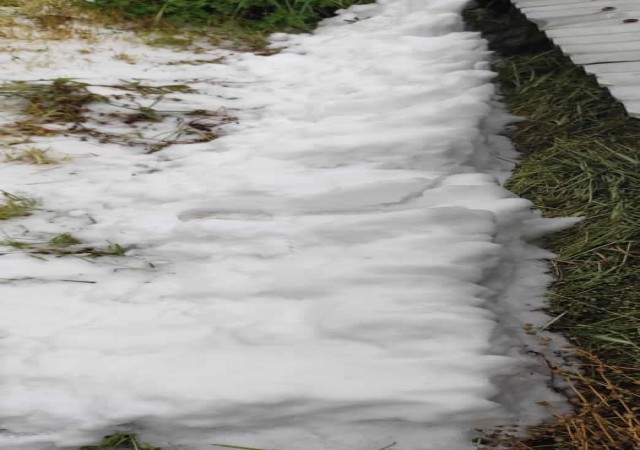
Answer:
(340, 271)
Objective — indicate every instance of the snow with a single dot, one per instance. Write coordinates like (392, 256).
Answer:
(341, 270)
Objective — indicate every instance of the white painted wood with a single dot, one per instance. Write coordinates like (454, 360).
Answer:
(604, 47)
(633, 108)
(608, 18)
(598, 39)
(532, 3)
(595, 58)
(578, 16)
(609, 30)
(620, 79)
(559, 10)
(626, 93)
(621, 67)
(604, 22)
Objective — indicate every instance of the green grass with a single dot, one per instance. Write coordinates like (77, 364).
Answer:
(267, 15)
(66, 245)
(121, 441)
(12, 206)
(583, 159)
(64, 240)
(129, 441)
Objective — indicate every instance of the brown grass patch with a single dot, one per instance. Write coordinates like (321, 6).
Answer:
(606, 402)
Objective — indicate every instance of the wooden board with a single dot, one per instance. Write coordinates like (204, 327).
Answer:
(625, 92)
(622, 67)
(528, 3)
(619, 79)
(614, 18)
(581, 6)
(597, 39)
(601, 35)
(598, 58)
(602, 47)
(590, 30)
(633, 108)
(565, 12)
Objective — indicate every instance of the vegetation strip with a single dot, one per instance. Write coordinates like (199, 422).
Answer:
(12, 205)
(267, 15)
(245, 24)
(121, 441)
(68, 103)
(581, 158)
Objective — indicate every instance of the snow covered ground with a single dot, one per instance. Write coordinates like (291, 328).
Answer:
(341, 270)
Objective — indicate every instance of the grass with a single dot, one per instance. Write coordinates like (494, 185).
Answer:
(31, 156)
(121, 441)
(64, 240)
(236, 447)
(605, 414)
(581, 158)
(12, 206)
(239, 24)
(129, 441)
(264, 15)
(68, 103)
(65, 245)
(125, 57)
(60, 101)
(50, 20)
(40, 7)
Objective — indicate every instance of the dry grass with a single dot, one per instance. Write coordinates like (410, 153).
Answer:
(121, 441)
(68, 19)
(12, 206)
(65, 245)
(606, 400)
(31, 156)
(59, 101)
(41, 7)
(125, 57)
(48, 20)
(197, 62)
(62, 101)
(63, 106)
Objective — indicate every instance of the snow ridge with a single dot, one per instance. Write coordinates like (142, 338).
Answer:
(341, 271)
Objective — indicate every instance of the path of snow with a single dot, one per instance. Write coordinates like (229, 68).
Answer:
(341, 271)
